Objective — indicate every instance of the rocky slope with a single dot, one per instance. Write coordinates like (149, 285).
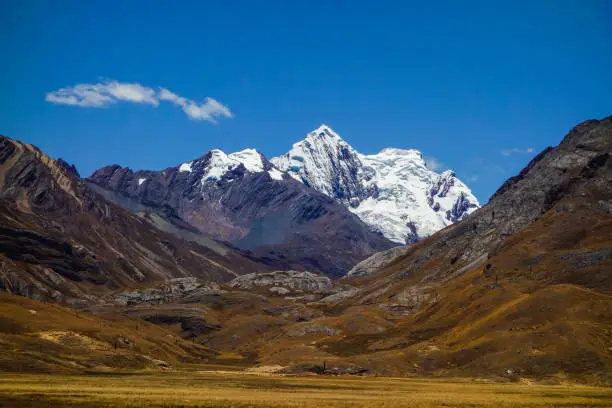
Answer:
(393, 191)
(241, 198)
(61, 241)
(520, 288)
(41, 337)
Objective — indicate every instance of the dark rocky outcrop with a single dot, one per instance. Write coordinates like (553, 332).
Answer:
(185, 290)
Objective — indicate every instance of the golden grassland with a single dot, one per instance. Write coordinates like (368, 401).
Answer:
(213, 389)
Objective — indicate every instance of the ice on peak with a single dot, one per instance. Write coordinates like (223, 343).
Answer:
(401, 152)
(322, 136)
(324, 130)
(447, 174)
(220, 163)
(320, 158)
(250, 158)
(185, 167)
(275, 173)
(217, 166)
(391, 191)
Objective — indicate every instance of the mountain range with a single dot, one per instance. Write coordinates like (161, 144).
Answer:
(292, 210)
(222, 261)
(62, 241)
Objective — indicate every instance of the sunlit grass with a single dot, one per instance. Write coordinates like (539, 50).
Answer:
(239, 390)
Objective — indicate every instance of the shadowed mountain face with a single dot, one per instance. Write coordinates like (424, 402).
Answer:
(60, 240)
(255, 207)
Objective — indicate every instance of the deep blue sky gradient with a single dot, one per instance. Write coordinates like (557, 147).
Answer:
(458, 80)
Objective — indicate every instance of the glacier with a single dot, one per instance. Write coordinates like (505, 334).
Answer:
(393, 191)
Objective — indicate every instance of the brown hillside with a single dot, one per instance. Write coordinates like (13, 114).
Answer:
(43, 337)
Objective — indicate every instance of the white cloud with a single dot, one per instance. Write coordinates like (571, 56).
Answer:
(434, 164)
(102, 94)
(472, 179)
(132, 93)
(166, 95)
(208, 110)
(516, 150)
(108, 92)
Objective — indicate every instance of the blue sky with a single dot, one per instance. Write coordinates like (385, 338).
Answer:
(474, 85)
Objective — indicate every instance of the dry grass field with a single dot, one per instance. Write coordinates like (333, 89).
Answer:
(210, 389)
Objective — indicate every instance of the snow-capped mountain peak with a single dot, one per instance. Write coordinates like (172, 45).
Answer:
(216, 163)
(392, 191)
(325, 162)
(323, 131)
(393, 151)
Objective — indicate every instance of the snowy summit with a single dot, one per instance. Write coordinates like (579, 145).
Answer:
(393, 191)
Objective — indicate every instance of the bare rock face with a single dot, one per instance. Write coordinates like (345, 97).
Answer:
(581, 162)
(305, 329)
(291, 281)
(175, 290)
(373, 264)
(337, 297)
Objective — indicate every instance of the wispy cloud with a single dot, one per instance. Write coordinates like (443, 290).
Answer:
(102, 94)
(208, 110)
(472, 179)
(516, 150)
(434, 164)
(108, 92)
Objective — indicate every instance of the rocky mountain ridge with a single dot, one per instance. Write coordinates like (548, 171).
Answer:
(243, 199)
(62, 241)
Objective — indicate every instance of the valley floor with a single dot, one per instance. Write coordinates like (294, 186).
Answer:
(217, 389)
